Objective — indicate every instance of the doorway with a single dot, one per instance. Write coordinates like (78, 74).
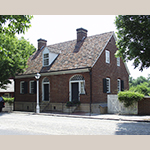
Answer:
(45, 89)
(75, 91)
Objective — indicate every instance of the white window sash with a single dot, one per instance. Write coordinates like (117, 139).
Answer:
(118, 61)
(107, 56)
(31, 88)
(119, 85)
(21, 87)
(46, 59)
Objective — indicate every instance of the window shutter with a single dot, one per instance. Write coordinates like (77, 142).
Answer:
(35, 87)
(25, 87)
(104, 85)
(122, 85)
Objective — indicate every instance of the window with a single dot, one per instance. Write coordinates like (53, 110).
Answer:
(82, 87)
(22, 87)
(32, 87)
(118, 61)
(107, 55)
(46, 59)
(106, 85)
(119, 85)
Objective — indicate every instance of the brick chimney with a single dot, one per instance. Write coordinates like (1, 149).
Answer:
(81, 34)
(41, 43)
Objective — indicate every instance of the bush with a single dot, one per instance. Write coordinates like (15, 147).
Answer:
(142, 89)
(129, 98)
(8, 100)
(72, 103)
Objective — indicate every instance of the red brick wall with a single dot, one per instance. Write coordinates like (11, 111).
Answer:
(144, 107)
(59, 89)
(59, 84)
(103, 70)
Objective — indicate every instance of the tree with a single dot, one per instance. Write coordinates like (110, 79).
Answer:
(134, 39)
(12, 24)
(13, 52)
(15, 58)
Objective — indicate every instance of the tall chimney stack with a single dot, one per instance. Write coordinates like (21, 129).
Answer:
(41, 43)
(81, 34)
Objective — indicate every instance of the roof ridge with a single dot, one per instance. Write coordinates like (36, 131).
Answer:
(76, 39)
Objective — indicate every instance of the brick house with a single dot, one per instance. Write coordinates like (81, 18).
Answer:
(84, 69)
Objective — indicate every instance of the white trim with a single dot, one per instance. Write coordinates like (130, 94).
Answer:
(79, 87)
(113, 35)
(118, 61)
(103, 49)
(30, 86)
(118, 85)
(54, 73)
(107, 56)
(43, 89)
(21, 87)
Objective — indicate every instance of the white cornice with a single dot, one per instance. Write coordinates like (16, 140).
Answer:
(54, 73)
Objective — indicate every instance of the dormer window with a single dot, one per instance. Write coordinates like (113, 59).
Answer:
(46, 59)
(48, 56)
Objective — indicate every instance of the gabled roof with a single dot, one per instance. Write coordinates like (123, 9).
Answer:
(67, 59)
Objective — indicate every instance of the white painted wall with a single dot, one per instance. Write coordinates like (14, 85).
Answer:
(114, 106)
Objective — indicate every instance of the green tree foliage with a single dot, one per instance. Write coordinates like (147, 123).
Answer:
(12, 24)
(129, 98)
(140, 85)
(14, 52)
(134, 39)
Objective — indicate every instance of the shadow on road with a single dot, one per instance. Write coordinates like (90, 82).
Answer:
(3, 113)
(133, 128)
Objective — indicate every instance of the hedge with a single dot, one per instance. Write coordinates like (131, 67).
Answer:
(8, 100)
(128, 98)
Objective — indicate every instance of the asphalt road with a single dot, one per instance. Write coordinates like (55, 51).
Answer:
(26, 124)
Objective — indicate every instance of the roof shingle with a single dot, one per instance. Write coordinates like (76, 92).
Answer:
(67, 59)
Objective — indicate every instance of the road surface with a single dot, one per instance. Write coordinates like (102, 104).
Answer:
(27, 124)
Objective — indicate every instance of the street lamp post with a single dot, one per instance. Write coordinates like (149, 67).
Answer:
(37, 76)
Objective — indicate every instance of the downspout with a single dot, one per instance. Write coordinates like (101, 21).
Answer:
(90, 90)
(14, 95)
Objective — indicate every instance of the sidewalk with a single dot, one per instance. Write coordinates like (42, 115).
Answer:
(116, 117)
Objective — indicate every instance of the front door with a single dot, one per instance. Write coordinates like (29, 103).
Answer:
(46, 92)
(75, 91)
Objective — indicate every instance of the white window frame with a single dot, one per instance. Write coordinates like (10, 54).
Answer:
(45, 58)
(79, 86)
(108, 84)
(21, 88)
(119, 85)
(118, 61)
(31, 88)
(107, 56)
(82, 88)
(43, 88)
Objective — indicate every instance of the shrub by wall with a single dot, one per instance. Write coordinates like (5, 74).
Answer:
(8, 100)
(128, 98)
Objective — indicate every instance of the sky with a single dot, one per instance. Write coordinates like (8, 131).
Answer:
(61, 28)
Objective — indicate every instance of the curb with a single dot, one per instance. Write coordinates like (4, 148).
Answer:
(81, 116)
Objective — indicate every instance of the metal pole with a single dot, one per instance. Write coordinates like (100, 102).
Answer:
(37, 107)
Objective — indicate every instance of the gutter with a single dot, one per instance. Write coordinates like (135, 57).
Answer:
(78, 70)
